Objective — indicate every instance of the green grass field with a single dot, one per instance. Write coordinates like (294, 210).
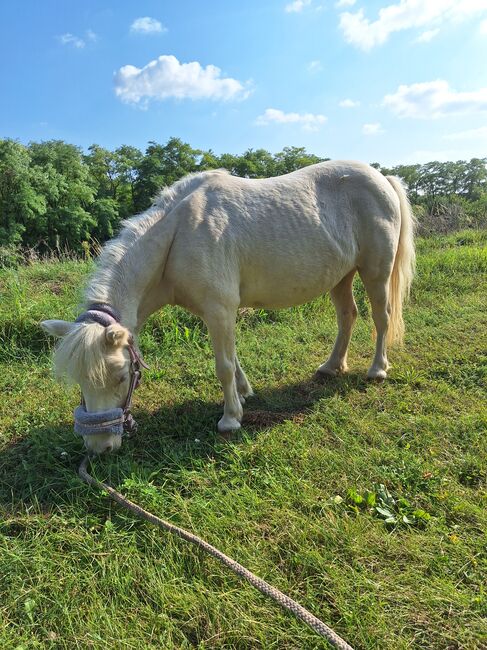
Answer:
(366, 502)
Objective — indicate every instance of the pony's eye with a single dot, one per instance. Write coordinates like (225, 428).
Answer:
(123, 378)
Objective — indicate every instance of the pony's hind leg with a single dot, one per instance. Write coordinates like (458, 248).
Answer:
(243, 385)
(378, 292)
(346, 309)
(221, 326)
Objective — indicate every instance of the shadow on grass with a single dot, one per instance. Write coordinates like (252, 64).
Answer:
(40, 470)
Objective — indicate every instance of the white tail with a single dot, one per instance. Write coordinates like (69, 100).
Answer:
(404, 264)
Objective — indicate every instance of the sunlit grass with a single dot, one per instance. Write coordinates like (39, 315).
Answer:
(366, 502)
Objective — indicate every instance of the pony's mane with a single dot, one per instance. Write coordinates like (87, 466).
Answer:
(109, 271)
(81, 354)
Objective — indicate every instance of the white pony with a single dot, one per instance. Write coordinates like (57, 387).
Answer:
(213, 242)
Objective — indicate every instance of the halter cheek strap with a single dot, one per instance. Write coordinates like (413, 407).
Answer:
(118, 420)
(136, 363)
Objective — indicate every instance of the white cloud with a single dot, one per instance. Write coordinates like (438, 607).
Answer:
(348, 103)
(166, 77)
(344, 3)
(483, 27)
(434, 99)
(427, 36)
(309, 121)
(315, 66)
(147, 25)
(405, 14)
(77, 42)
(372, 129)
(71, 39)
(296, 6)
(469, 134)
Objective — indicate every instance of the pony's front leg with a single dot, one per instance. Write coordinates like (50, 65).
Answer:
(221, 325)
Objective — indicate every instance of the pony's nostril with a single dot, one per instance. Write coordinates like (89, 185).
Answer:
(109, 447)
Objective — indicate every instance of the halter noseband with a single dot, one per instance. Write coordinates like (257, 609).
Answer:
(117, 420)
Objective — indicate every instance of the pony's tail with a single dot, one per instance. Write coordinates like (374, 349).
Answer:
(404, 264)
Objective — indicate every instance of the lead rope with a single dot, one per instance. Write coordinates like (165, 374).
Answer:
(264, 587)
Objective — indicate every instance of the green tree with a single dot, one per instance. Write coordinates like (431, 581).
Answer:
(105, 212)
(209, 160)
(228, 161)
(103, 170)
(257, 163)
(115, 174)
(129, 160)
(292, 158)
(161, 166)
(21, 202)
(475, 179)
(411, 175)
(68, 192)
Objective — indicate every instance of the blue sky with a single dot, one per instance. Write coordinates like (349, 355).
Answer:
(393, 81)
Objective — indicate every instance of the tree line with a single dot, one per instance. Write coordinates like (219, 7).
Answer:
(55, 196)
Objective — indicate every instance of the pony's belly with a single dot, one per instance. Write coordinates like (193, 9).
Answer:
(286, 291)
(280, 302)
(293, 267)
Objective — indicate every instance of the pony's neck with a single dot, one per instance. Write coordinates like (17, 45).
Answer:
(130, 270)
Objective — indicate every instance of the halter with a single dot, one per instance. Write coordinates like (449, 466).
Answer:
(117, 420)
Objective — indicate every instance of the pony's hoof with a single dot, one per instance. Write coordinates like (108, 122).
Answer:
(375, 374)
(227, 425)
(325, 372)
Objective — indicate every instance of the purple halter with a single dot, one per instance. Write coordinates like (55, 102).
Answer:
(100, 313)
(117, 420)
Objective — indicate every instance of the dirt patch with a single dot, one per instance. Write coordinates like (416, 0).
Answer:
(55, 287)
(265, 419)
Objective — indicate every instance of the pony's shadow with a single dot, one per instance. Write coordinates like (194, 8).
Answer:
(39, 471)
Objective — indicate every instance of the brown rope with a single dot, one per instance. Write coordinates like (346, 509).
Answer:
(263, 586)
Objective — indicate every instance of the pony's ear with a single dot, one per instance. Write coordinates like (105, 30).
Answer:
(58, 328)
(117, 335)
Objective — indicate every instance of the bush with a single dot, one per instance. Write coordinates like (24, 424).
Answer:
(10, 257)
(450, 214)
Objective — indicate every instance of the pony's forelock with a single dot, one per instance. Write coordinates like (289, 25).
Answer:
(81, 355)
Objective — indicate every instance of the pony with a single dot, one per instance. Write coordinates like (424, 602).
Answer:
(213, 243)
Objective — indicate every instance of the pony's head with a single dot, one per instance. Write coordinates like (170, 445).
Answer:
(98, 359)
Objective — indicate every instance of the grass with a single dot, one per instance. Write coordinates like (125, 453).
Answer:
(365, 502)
